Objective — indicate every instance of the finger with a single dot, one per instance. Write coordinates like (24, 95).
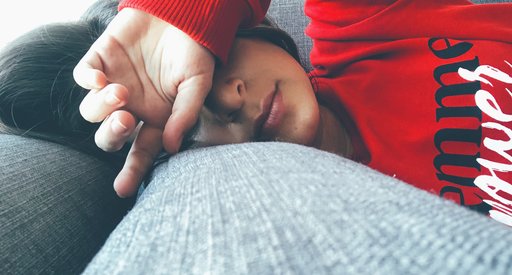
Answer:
(115, 131)
(145, 149)
(88, 73)
(98, 104)
(185, 113)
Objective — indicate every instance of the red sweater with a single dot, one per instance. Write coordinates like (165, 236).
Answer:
(395, 66)
(424, 86)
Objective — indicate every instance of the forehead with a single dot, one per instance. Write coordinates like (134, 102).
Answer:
(256, 46)
(249, 54)
(268, 31)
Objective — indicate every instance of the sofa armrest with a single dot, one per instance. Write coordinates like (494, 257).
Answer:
(57, 207)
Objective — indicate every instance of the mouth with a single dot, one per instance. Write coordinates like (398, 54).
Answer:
(267, 123)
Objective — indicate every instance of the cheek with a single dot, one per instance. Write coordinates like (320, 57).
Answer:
(305, 124)
(302, 118)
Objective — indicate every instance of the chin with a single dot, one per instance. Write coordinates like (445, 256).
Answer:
(303, 136)
(307, 135)
(301, 129)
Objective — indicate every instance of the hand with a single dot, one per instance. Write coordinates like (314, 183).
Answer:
(143, 69)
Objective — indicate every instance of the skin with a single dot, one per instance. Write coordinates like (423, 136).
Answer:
(254, 70)
(126, 91)
(142, 69)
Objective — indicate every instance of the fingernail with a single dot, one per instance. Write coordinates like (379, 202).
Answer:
(119, 128)
(112, 99)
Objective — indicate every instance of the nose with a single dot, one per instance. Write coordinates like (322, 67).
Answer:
(227, 98)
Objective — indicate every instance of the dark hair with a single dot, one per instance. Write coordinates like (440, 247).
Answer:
(38, 95)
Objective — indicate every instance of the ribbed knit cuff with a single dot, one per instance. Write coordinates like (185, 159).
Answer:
(212, 23)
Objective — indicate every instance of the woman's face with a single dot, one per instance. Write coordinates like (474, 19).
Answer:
(261, 94)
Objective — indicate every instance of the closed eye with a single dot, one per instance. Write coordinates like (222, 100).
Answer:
(233, 116)
(226, 119)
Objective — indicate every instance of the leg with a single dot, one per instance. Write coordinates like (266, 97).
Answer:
(280, 208)
(57, 207)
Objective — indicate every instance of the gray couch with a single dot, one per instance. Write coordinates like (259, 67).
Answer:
(247, 208)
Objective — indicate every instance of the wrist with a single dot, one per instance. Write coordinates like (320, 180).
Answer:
(212, 24)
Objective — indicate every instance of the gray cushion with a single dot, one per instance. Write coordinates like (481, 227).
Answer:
(278, 208)
(57, 207)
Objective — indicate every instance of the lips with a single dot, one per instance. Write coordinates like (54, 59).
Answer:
(267, 123)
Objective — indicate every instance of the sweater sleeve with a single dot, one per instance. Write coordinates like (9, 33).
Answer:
(212, 23)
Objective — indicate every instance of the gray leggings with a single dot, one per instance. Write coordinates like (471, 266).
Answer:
(253, 208)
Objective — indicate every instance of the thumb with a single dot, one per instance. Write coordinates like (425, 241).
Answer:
(185, 111)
